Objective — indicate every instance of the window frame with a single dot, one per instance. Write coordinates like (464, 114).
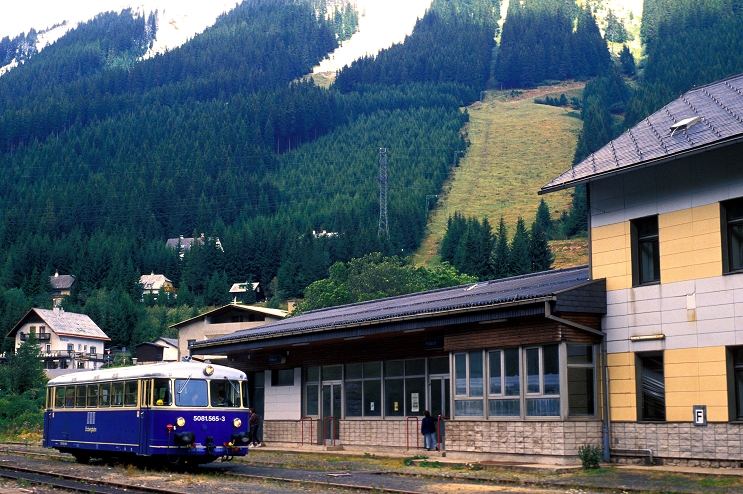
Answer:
(638, 239)
(593, 365)
(639, 367)
(364, 381)
(503, 396)
(726, 224)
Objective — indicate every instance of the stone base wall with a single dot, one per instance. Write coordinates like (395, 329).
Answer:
(537, 439)
(684, 444)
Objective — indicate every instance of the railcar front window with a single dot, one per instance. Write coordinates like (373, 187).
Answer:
(224, 393)
(161, 393)
(191, 393)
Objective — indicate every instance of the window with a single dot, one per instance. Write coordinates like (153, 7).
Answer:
(468, 384)
(737, 357)
(80, 396)
(190, 393)
(117, 389)
(581, 381)
(105, 398)
(364, 389)
(224, 393)
(732, 232)
(131, 389)
(282, 377)
(651, 391)
(404, 387)
(70, 348)
(92, 395)
(312, 391)
(92, 350)
(59, 400)
(645, 251)
(161, 394)
(542, 381)
(504, 388)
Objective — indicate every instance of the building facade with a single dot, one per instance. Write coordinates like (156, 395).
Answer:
(511, 367)
(67, 341)
(666, 232)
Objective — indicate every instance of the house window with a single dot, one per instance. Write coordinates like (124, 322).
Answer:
(92, 350)
(651, 392)
(363, 388)
(48, 349)
(645, 251)
(542, 381)
(504, 388)
(732, 232)
(468, 384)
(282, 377)
(70, 348)
(581, 381)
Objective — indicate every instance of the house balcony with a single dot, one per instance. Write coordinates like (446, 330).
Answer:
(39, 337)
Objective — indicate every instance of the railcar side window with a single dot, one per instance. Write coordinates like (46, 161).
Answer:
(130, 393)
(80, 396)
(191, 393)
(70, 396)
(59, 397)
(118, 394)
(105, 398)
(92, 395)
(161, 393)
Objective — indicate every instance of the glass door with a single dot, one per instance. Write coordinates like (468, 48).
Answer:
(440, 402)
(331, 412)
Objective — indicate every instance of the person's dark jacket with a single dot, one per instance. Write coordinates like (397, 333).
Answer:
(428, 425)
(253, 420)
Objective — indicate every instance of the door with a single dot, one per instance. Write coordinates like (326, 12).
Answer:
(440, 403)
(331, 412)
(145, 427)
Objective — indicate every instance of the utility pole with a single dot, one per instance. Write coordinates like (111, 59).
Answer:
(383, 187)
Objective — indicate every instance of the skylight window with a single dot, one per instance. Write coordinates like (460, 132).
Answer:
(684, 124)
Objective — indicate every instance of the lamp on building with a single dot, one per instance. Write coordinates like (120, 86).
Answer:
(648, 337)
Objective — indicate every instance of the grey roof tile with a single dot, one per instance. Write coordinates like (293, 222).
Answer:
(719, 106)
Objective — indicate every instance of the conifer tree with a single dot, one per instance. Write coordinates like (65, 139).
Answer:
(518, 259)
(539, 252)
(500, 253)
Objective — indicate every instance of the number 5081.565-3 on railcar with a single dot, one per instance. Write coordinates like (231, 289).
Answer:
(180, 413)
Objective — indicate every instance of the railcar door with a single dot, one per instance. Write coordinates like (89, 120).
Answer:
(145, 417)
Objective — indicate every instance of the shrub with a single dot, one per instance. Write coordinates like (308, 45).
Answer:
(590, 456)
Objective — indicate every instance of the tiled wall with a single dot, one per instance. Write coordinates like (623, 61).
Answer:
(283, 402)
(716, 445)
(538, 438)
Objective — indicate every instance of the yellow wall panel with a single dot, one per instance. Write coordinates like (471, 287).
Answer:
(623, 415)
(681, 385)
(621, 373)
(617, 359)
(712, 368)
(680, 217)
(709, 211)
(681, 356)
(714, 399)
(708, 270)
(713, 383)
(713, 354)
(624, 386)
(681, 414)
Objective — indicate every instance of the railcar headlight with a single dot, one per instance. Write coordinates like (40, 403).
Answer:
(208, 370)
(237, 423)
(180, 421)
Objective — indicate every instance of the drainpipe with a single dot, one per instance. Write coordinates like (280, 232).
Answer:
(605, 418)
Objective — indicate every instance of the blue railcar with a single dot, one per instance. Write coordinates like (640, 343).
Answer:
(179, 413)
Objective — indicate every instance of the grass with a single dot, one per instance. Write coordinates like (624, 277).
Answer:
(516, 148)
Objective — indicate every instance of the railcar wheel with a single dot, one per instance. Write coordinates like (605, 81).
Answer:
(81, 458)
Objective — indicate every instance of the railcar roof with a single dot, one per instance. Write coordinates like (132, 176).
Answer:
(171, 369)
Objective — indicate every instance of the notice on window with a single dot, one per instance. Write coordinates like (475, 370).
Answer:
(414, 402)
(396, 406)
(371, 406)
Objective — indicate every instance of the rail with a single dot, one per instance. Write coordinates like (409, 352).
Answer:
(333, 422)
(438, 431)
(407, 432)
(303, 420)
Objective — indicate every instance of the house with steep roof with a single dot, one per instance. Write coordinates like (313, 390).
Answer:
(153, 283)
(68, 341)
(61, 287)
(245, 293)
(219, 322)
(182, 244)
(512, 368)
(160, 350)
(665, 202)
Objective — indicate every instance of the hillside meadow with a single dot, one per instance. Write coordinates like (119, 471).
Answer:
(516, 146)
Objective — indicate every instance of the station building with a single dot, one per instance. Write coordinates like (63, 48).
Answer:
(666, 233)
(513, 366)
